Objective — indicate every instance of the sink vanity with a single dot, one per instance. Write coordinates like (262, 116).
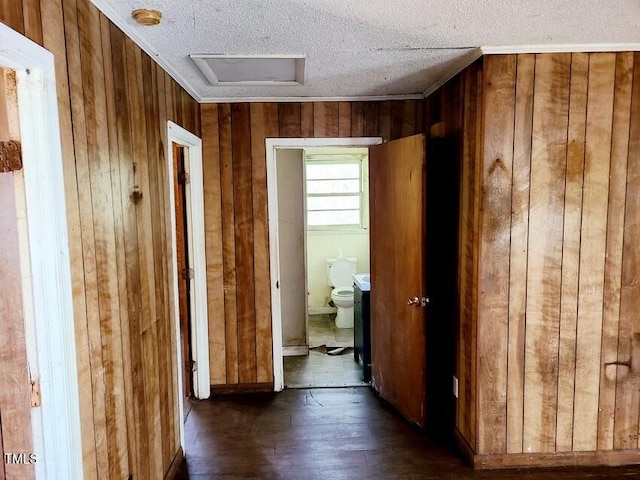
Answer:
(361, 325)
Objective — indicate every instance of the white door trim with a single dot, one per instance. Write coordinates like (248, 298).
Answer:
(49, 320)
(199, 321)
(272, 144)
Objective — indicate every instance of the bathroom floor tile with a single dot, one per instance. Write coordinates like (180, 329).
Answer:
(318, 369)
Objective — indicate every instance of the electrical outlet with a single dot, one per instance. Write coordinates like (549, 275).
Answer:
(455, 386)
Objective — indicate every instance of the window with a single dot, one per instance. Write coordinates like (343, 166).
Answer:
(335, 191)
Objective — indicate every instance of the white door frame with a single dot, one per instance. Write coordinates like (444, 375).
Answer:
(45, 262)
(272, 144)
(199, 321)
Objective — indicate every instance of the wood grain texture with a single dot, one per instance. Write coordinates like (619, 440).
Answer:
(544, 261)
(263, 125)
(15, 385)
(213, 242)
(627, 396)
(519, 250)
(244, 266)
(614, 248)
(493, 275)
(593, 248)
(117, 98)
(228, 242)
(571, 250)
(236, 220)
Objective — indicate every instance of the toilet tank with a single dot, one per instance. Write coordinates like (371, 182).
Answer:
(330, 261)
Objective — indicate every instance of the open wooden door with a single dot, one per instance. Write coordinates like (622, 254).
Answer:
(398, 281)
(184, 271)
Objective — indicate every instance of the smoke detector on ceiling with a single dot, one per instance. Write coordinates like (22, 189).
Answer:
(251, 70)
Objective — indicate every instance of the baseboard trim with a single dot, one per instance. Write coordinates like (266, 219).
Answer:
(174, 468)
(322, 310)
(241, 388)
(608, 458)
(295, 351)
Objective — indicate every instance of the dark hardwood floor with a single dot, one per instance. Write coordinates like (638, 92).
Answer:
(329, 433)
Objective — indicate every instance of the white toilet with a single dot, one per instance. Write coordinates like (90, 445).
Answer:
(340, 276)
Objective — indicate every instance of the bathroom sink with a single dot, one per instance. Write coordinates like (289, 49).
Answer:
(363, 281)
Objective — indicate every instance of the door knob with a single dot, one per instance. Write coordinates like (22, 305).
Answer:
(418, 301)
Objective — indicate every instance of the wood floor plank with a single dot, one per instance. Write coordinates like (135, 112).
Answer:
(593, 248)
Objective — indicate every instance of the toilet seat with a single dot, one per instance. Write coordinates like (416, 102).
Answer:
(343, 291)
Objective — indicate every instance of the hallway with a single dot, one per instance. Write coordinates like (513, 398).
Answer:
(330, 433)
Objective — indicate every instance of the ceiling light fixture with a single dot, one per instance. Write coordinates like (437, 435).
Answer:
(146, 16)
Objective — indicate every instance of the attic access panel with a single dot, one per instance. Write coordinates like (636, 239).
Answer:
(248, 70)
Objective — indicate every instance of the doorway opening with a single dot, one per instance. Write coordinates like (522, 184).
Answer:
(291, 204)
(48, 333)
(323, 222)
(185, 222)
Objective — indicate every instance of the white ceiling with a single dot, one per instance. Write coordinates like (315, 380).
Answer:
(366, 48)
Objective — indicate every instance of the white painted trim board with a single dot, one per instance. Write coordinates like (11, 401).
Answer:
(199, 320)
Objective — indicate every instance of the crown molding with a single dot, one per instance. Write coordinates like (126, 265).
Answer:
(459, 65)
(559, 48)
(131, 30)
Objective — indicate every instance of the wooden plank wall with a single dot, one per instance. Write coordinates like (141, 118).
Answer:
(236, 221)
(114, 102)
(558, 329)
(457, 108)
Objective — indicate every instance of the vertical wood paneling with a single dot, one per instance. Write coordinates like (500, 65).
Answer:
(306, 120)
(237, 222)
(613, 255)
(325, 119)
(371, 114)
(244, 265)
(593, 248)
(576, 274)
(108, 331)
(228, 242)
(571, 250)
(519, 249)
(263, 125)
(344, 119)
(89, 346)
(627, 387)
(548, 160)
(289, 119)
(213, 237)
(117, 98)
(493, 275)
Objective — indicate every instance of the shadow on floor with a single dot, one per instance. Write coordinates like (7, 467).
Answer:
(329, 434)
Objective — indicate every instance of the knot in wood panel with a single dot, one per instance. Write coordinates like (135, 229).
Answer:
(10, 156)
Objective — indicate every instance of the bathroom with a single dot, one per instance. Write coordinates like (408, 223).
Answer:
(335, 199)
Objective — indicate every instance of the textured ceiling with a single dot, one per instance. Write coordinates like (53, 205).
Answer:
(358, 48)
